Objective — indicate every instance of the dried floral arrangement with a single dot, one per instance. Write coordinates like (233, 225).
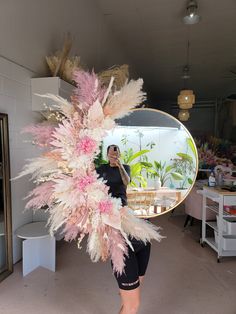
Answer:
(67, 183)
(120, 74)
(61, 64)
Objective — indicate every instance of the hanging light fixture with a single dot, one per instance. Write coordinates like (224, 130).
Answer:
(186, 97)
(191, 16)
(183, 115)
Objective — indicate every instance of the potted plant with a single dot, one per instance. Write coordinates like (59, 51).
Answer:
(165, 172)
(184, 165)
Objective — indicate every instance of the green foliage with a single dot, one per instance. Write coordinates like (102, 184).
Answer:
(164, 172)
(99, 158)
(192, 147)
(185, 166)
(136, 168)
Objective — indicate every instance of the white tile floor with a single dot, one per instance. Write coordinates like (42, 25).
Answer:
(182, 278)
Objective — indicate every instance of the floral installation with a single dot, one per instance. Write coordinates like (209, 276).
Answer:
(213, 151)
(66, 180)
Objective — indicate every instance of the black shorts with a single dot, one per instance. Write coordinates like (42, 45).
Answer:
(135, 265)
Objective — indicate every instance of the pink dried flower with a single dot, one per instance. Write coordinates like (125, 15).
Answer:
(105, 206)
(83, 182)
(86, 145)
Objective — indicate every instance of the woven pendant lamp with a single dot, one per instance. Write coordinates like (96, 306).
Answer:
(186, 99)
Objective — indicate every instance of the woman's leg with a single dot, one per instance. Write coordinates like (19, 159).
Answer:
(142, 259)
(130, 301)
(128, 283)
(141, 278)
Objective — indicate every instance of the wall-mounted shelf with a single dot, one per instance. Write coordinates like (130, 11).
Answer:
(51, 85)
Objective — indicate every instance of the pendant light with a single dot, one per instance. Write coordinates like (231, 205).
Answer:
(191, 16)
(183, 115)
(186, 97)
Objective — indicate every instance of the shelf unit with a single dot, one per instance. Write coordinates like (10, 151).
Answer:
(220, 198)
(49, 85)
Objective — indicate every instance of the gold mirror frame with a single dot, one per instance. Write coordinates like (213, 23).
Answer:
(6, 195)
(175, 121)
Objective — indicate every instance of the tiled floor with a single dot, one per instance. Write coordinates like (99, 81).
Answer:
(182, 278)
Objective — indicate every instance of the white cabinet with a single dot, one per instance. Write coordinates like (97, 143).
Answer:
(224, 241)
(48, 85)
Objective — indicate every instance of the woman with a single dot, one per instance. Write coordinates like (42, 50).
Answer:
(118, 177)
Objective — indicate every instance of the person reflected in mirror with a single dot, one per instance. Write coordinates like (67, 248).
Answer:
(117, 177)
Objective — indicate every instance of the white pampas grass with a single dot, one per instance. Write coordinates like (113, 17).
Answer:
(139, 229)
(38, 168)
(60, 104)
(57, 218)
(94, 246)
(129, 97)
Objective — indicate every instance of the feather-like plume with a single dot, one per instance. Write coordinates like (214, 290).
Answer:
(41, 132)
(129, 97)
(88, 87)
(118, 250)
(38, 167)
(138, 228)
(41, 196)
(94, 246)
(59, 104)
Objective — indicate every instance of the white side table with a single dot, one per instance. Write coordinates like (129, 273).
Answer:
(39, 248)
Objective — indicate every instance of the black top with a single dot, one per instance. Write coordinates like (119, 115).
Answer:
(114, 181)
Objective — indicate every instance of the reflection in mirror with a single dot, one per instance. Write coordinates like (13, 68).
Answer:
(5, 202)
(162, 156)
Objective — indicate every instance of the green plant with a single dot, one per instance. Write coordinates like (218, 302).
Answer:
(164, 172)
(136, 168)
(99, 160)
(185, 166)
(185, 163)
(140, 169)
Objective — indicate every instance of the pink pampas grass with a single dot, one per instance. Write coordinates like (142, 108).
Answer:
(117, 249)
(88, 87)
(41, 196)
(41, 133)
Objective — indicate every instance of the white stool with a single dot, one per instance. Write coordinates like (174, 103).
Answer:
(39, 248)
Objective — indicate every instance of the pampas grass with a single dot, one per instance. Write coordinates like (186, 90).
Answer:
(138, 228)
(129, 97)
(119, 73)
(61, 64)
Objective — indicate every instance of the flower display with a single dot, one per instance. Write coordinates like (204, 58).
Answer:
(78, 200)
(214, 151)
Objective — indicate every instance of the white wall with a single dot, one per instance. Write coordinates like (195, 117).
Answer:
(30, 30)
(15, 100)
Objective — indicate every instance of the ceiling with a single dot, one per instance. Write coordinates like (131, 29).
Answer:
(155, 42)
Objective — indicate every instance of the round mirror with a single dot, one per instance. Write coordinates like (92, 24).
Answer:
(162, 157)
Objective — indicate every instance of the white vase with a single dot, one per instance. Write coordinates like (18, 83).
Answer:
(157, 184)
